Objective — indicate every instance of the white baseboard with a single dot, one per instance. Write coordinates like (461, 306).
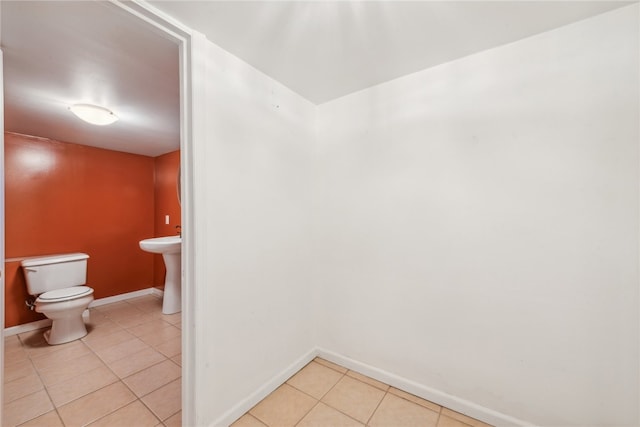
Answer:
(27, 327)
(123, 297)
(157, 292)
(44, 323)
(250, 401)
(441, 398)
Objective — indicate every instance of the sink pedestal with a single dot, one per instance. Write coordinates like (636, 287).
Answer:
(171, 249)
(172, 300)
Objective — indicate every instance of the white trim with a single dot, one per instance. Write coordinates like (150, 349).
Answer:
(44, 323)
(121, 297)
(157, 292)
(437, 396)
(276, 381)
(27, 327)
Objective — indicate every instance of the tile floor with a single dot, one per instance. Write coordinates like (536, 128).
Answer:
(125, 372)
(323, 394)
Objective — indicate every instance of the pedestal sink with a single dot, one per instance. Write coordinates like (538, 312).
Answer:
(171, 249)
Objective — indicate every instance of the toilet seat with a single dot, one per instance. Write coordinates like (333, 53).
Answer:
(65, 294)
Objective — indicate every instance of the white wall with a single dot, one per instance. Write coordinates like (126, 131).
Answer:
(251, 162)
(477, 226)
(472, 228)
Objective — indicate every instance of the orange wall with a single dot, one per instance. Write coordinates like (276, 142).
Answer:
(166, 203)
(62, 197)
(15, 294)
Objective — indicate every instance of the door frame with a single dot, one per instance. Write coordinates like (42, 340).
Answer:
(173, 30)
(2, 233)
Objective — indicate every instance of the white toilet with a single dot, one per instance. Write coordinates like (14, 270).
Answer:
(56, 281)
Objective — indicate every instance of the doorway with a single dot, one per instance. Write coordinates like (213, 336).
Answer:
(181, 37)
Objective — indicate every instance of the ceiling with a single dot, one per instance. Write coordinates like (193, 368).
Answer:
(326, 49)
(59, 53)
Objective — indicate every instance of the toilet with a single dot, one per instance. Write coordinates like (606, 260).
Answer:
(58, 283)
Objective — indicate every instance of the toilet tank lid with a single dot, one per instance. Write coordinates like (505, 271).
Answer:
(53, 259)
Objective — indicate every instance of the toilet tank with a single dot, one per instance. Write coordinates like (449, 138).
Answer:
(51, 272)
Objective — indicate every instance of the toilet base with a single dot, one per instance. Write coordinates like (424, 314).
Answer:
(65, 330)
(66, 316)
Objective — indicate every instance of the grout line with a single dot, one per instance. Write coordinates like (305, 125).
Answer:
(362, 382)
(44, 387)
(306, 413)
(165, 358)
(151, 411)
(343, 413)
(387, 391)
(330, 367)
(116, 409)
(416, 403)
(344, 374)
(163, 421)
(86, 394)
(248, 414)
(332, 387)
(120, 328)
(318, 401)
(302, 391)
(377, 407)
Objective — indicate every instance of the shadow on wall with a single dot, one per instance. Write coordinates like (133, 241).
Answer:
(63, 197)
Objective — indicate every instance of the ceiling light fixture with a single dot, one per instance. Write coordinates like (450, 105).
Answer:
(94, 114)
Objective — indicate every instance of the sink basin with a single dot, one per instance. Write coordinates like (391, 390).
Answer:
(162, 245)
(171, 249)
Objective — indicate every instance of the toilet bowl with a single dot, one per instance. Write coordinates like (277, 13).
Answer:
(66, 313)
(58, 283)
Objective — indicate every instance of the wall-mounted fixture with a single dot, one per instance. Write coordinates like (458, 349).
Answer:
(94, 114)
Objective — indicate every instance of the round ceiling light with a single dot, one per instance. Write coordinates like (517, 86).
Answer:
(94, 114)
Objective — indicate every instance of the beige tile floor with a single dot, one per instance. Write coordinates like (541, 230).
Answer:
(125, 372)
(323, 394)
